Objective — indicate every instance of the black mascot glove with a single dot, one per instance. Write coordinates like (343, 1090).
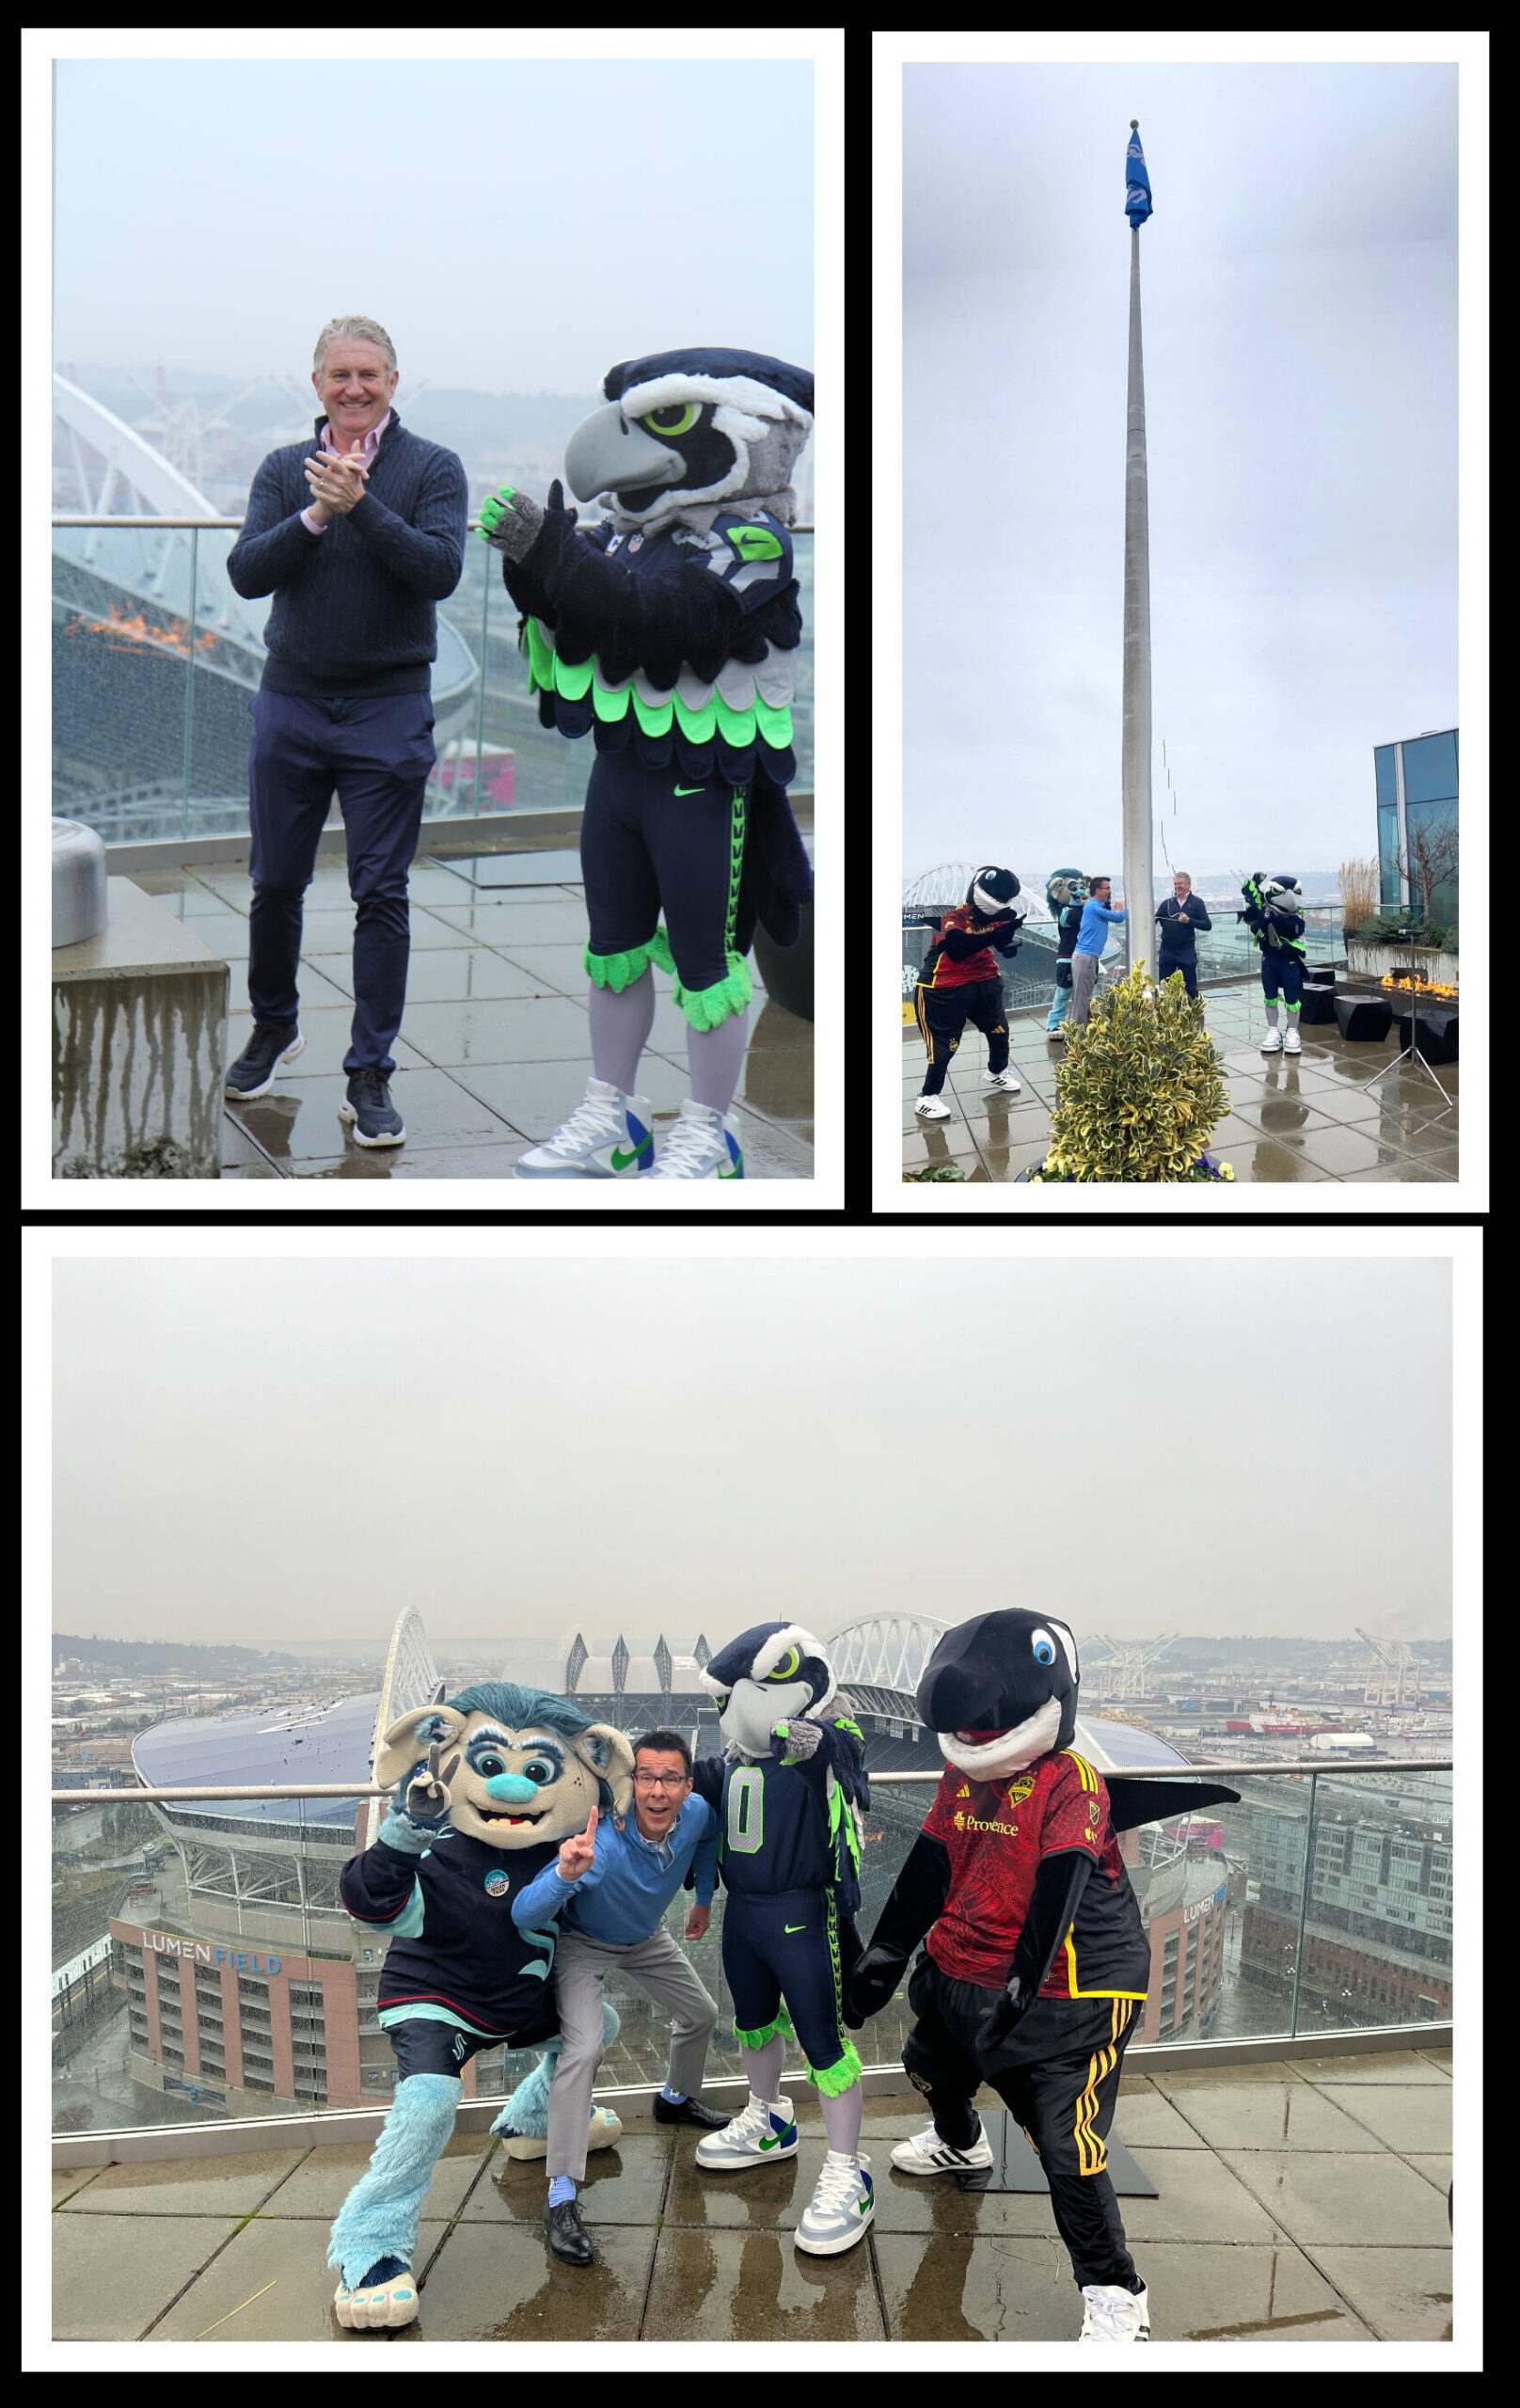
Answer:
(1010, 2009)
(877, 1975)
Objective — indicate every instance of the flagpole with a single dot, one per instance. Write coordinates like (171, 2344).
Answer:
(1138, 891)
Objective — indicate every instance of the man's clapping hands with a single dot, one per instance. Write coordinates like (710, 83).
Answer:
(336, 483)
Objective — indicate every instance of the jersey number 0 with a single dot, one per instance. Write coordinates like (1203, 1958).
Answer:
(745, 1810)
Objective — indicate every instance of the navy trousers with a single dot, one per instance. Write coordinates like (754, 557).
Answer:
(377, 753)
(1187, 963)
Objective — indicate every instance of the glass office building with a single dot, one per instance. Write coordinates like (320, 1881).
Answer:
(1417, 788)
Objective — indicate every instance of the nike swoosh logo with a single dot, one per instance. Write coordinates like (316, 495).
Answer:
(689, 789)
(623, 1156)
(794, 1926)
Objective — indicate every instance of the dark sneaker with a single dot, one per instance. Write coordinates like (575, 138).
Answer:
(568, 2235)
(689, 2111)
(368, 1105)
(271, 1043)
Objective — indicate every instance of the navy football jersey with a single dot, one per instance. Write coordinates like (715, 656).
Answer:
(789, 1827)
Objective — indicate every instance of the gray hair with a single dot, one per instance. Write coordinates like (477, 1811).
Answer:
(1182, 873)
(363, 330)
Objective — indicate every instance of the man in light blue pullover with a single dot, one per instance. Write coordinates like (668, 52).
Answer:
(610, 1887)
(1097, 919)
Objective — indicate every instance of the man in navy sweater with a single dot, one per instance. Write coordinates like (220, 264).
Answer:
(1179, 916)
(357, 542)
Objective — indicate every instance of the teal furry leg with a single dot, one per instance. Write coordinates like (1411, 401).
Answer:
(379, 2217)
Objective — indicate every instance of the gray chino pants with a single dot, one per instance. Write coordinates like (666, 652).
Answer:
(659, 1966)
(1084, 979)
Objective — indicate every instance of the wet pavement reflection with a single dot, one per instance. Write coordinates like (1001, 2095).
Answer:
(1293, 1120)
(493, 1052)
(1296, 2200)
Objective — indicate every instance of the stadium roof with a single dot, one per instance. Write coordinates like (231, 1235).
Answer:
(315, 1743)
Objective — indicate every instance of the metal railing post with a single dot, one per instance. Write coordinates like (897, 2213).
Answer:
(480, 716)
(190, 687)
(1303, 1906)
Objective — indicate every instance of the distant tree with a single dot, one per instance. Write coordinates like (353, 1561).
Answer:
(1427, 860)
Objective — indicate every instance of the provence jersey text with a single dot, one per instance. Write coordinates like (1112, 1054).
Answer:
(789, 1827)
(455, 1949)
(940, 969)
(997, 1832)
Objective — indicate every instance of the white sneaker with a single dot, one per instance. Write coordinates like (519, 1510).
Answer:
(702, 1144)
(926, 2153)
(1003, 1082)
(606, 1137)
(1272, 1042)
(766, 2132)
(1291, 1043)
(841, 2208)
(929, 1107)
(1115, 2313)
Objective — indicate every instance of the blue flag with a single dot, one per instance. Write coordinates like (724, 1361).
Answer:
(1137, 197)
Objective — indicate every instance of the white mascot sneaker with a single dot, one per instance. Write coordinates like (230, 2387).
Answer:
(926, 2153)
(1115, 2313)
(1272, 1042)
(1003, 1082)
(605, 2132)
(1291, 1043)
(607, 1136)
(702, 1144)
(764, 2132)
(841, 2208)
(929, 1107)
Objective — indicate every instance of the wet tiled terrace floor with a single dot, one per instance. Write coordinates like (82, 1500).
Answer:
(1297, 2200)
(1315, 1118)
(493, 1052)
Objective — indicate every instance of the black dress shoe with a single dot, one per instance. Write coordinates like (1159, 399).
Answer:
(689, 2111)
(568, 2235)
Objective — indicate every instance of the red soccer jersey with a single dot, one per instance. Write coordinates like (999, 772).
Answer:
(976, 965)
(996, 1832)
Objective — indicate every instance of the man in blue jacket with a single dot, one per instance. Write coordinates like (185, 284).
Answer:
(609, 1886)
(356, 541)
(1179, 916)
(1097, 919)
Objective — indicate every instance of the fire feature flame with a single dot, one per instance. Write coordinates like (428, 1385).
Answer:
(135, 634)
(1405, 979)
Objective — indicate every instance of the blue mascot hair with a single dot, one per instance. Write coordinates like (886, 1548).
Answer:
(521, 1708)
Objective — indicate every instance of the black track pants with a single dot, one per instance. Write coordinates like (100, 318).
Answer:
(1059, 2072)
(942, 1013)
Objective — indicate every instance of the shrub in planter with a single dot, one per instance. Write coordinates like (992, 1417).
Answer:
(1139, 1090)
(1381, 927)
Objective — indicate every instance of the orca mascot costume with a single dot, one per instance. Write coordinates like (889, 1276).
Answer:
(959, 981)
(1036, 1963)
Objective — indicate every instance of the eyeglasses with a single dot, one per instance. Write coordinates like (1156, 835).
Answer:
(660, 1780)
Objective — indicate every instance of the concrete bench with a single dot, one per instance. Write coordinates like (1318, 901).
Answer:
(139, 1032)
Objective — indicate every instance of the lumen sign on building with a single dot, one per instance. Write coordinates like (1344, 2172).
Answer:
(1417, 795)
(202, 1951)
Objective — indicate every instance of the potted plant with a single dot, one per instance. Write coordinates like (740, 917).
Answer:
(1139, 1090)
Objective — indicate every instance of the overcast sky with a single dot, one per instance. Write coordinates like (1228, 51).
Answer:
(266, 1452)
(1300, 297)
(515, 225)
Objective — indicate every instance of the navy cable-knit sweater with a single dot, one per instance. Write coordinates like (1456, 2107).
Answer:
(353, 611)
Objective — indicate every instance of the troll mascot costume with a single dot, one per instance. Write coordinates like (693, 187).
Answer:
(669, 632)
(520, 1772)
(1036, 1962)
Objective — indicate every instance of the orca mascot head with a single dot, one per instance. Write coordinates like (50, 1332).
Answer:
(993, 890)
(1000, 1691)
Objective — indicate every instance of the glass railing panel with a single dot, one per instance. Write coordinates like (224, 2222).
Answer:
(205, 1970)
(151, 687)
